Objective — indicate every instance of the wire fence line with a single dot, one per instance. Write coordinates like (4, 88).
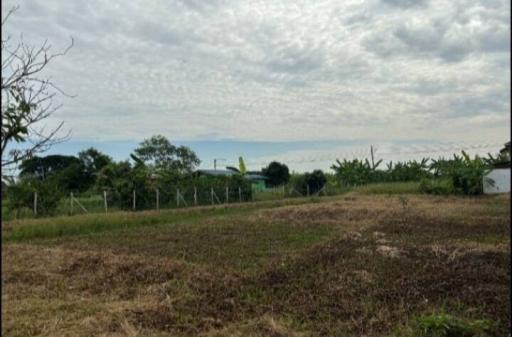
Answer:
(157, 199)
(363, 151)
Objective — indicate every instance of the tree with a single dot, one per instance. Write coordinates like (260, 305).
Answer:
(67, 172)
(277, 173)
(315, 180)
(92, 162)
(109, 175)
(159, 154)
(45, 167)
(27, 99)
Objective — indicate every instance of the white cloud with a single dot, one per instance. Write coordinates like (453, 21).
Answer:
(265, 70)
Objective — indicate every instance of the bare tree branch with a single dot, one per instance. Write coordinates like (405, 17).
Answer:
(27, 99)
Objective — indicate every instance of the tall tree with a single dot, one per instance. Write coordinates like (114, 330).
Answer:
(158, 153)
(46, 167)
(27, 99)
(66, 172)
(92, 162)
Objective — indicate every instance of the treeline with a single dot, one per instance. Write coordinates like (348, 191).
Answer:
(458, 175)
(155, 167)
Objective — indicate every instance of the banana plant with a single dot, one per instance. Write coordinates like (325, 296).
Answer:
(241, 165)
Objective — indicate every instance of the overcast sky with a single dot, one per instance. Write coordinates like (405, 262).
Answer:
(378, 71)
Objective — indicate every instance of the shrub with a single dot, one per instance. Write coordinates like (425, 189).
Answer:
(21, 195)
(436, 186)
(465, 174)
(315, 181)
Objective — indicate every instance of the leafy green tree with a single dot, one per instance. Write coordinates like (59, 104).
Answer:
(354, 172)
(158, 153)
(110, 174)
(44, 167)
(468, 178)
(312, 181)
(277, 173)
(92, 162)
(316, 180)
(65, 171)
(466, 174)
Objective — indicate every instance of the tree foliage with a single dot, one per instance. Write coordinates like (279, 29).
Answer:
(21, 195)
(461, 174)
(159, 154)
(277, 173)
(92, 161)
(68, 172)
(47, 166)
(309, 181)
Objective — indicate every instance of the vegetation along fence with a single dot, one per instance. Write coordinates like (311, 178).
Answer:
(35, 203)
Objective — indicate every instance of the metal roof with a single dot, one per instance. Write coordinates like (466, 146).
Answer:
(255, 177)
(229, 173)
(217, 172)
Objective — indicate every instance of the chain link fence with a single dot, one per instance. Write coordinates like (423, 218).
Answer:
(44, 203)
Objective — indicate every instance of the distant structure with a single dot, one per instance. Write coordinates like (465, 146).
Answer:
(506, 149)
(505, 153)
(215, 173)
(257, 180)
(498, 180)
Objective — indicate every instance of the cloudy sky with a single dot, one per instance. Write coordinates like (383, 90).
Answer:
(302, 80)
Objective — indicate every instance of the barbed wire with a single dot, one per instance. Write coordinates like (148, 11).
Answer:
(366, 153)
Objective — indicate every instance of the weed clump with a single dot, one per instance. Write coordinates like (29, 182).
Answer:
(444, 325)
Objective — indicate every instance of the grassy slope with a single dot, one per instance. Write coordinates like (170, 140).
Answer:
(27, 229)
(347, 266)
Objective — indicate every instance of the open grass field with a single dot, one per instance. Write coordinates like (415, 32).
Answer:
(358, 264)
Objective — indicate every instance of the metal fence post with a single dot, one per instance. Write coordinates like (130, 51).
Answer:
(157, 200)
(105, 201)
(71, 202)
(134, 201)
(195, 196)
(177, 197)
(227, 194)
(307, 187)
(211, 193)
(239, 194)
(35, 203)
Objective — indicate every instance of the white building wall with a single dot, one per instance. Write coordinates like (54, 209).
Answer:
(501, 179)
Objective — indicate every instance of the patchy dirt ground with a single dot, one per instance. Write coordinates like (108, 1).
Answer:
(355, 266)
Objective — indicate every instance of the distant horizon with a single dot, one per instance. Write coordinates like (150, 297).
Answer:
(299, 156)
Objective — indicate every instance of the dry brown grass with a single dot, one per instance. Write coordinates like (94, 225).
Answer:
(384, 261)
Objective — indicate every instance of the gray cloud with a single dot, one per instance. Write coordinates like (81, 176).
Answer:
(277, 70)
(451, 34)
